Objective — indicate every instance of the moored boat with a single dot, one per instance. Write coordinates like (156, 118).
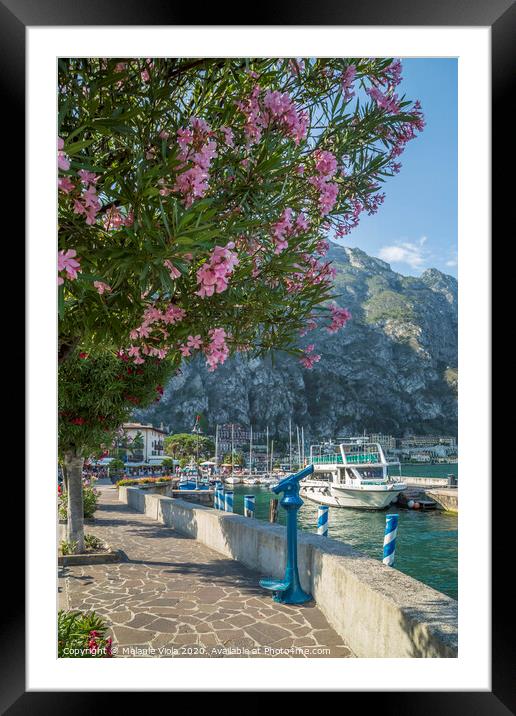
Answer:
(356, 476)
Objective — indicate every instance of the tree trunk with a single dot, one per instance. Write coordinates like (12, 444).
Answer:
(74, 464)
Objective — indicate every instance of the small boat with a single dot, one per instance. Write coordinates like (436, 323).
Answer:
(191, 478)
(232, 480)
(356, 476)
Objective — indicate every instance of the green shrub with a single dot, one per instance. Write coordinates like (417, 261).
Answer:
(68, 547)
(142, 481)
(90, 498)
(82, 635)
(93, 542)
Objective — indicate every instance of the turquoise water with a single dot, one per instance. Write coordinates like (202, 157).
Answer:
(437, 470)
(426, 545)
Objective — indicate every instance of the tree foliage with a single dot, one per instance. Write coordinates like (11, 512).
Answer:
(97, 393)
(186, 446)
(164, 160)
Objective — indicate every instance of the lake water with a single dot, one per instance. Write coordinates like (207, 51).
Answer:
(426, 545)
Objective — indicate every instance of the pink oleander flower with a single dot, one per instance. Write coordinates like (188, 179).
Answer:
(217, 350)
(88, 204)
(173, 314)
(325, 167)
(102, 287)
(283, 110)
(340, 316)
(185, 351)
(302, 222)
(174, 272)
(388, 101)
(65, 185)
(63, 160)
(194, 342)
(87, 177)
(196, 152)
(347, 80)
(328, 193)
(212, 277)
(325, 163)
(392, 74)
(277, 108)
(114, 219)
(285, 228)
(322, 247)
(145, 72)
(67, 261)
(310, 325)
(309, 359)
(228, 136)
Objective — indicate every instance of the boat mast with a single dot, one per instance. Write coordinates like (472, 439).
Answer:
(303, 446)
(251, 451)
(216, 448)
(290, 444)
(272, 452)
(298, 449)
(232, 447)
(267, 463)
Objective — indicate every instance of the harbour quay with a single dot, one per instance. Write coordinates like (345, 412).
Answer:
(440, 492)
(375, 610)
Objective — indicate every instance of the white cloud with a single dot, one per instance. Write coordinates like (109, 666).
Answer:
(453, 261)
(412, 253)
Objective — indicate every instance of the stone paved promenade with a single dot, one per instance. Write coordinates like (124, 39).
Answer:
(176, 595)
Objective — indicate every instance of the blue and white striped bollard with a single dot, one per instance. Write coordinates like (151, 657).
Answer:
(389, 540)
(228, 500)
(219, 497)
(249, 501)
(322, 520)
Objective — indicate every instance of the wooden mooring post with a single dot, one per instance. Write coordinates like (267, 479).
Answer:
(273, 510)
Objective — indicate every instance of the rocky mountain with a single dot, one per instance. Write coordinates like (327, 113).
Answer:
(392, 369)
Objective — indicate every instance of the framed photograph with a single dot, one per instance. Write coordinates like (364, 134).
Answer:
(266, 356)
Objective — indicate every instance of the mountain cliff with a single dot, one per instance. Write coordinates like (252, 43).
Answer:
(392, 369)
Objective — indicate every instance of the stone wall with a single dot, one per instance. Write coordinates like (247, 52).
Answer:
(377, 610)
(448, 499)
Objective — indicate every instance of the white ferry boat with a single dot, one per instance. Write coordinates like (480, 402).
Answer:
(355, 476)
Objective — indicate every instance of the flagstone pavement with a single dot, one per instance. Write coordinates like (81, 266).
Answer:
(174, 597)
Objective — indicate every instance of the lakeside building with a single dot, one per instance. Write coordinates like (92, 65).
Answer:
(427, 441)
(387, 442)
(141, 443)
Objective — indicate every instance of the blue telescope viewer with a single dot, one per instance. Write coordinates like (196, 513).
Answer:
(288, 590)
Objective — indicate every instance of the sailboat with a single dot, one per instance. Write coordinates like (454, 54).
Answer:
(232, 479)
(250, 480)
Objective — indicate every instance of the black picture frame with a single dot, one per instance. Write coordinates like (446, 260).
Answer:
(500, 16)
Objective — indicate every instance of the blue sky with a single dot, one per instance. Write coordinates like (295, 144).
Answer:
(416, 227)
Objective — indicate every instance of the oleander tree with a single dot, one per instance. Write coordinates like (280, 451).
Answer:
(197, 197)
(97, 392)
